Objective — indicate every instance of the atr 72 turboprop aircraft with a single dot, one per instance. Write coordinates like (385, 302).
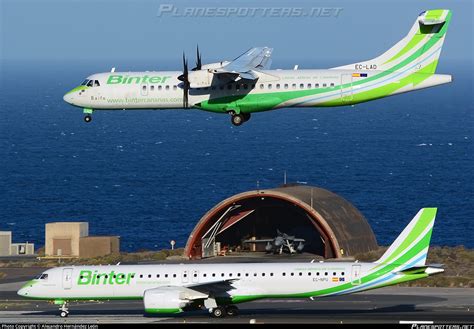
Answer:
(246, 85)
(173, 288)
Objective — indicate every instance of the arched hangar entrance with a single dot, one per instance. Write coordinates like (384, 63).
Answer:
(329, 224)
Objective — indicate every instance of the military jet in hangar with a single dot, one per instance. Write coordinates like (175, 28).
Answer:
(281, 243)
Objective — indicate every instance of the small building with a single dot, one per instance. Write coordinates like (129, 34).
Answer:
(62, 238)
(71, 239)
(7, 248)
(97, 246)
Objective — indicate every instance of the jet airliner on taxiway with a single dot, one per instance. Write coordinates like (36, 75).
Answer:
(173, 288)
(247, 85)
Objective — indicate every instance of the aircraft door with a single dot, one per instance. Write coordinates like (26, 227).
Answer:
(346, 87)
(355, 275)
(67, 278)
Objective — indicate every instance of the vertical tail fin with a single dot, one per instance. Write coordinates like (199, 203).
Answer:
(412, 244)
(420, 48)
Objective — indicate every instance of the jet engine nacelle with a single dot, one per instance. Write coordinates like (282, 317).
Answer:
(164, 300)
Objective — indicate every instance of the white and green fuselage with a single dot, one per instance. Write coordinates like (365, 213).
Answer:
(407, 66)
(173, 288)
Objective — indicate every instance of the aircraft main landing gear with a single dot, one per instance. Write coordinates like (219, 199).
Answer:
(238, 119)
(221, 311)
(64, 310)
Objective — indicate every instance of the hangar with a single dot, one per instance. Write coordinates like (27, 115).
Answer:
(330, 225)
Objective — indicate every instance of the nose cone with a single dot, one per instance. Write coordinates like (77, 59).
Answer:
(22, 292)
(68, 98)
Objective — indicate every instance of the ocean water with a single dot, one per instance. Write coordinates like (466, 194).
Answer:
(148, 176)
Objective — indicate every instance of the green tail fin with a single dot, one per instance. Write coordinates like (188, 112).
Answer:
(413, 243)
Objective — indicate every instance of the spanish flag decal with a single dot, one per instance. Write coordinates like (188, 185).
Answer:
(359, 75)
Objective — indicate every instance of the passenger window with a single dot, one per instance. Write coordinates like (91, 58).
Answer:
(334, 273)
(277, 86)
(166, 275)
(271, 274)
(284, 274)
(324, 84)
(301, 85)
(293, 86)
(174, 275)
(316, 85)
(255, 274)
(167, 87)
(317, 273)
(144, 88)
(332, 84)
(246, 274)
(149, 276)
(292, 274)
(342, 273)
(141, 275)
(270, 86)
(175, 87)
(152, 88)
(309, 273)
(157, 275)
(286, 86)
(263, 274)
(309, 85)
(159, 87)
(262, 86)
(301, 273)
(213, 274)
(325, 273)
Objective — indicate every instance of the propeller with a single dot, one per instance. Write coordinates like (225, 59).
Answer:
(198, 60)
(184, 78)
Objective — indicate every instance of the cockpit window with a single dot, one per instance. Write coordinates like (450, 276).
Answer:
(85, 82)
(42, 276)
(96, 83)
(90, 83)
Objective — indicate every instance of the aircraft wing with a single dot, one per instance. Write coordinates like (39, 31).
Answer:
(258, 241)
(213, 286)
(246, 65)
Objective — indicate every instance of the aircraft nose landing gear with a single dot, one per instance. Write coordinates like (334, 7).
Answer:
(64, 310)
(88, 113)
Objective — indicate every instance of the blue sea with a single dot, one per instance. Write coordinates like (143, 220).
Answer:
(149, 176)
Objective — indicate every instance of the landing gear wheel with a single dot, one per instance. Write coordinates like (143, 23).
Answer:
(88, 118)
(64, 310)
(64, 314)
(237, 119)
(218, 312)
(246, 116)
(232, 310)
